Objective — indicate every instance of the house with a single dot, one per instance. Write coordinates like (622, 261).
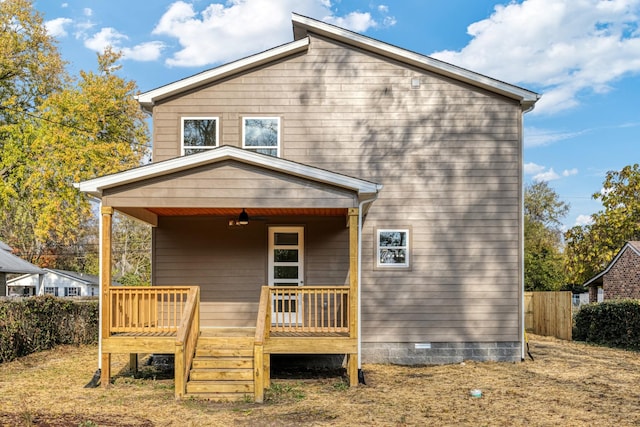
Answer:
(59, 283)
(333, 195)
(12, 265)
(621, 278)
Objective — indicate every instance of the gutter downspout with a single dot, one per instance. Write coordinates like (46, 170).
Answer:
(522, 290)
(360, 220)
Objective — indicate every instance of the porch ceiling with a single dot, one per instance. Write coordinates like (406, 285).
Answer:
(234, 212)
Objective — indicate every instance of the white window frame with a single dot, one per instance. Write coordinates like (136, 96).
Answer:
(51, 290)
(203, 148)
(255, 148)
(406, 247)
(77, 290)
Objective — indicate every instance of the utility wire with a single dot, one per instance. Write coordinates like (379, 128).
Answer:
(35, 116)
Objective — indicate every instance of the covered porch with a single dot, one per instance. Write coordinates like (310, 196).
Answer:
(213, 274)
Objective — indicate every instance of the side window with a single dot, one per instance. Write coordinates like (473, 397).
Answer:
(71, 292)
(199, 134)
(392, 248)
(262, 135)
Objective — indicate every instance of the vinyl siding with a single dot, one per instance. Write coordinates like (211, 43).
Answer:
(228, 184)
(230, 263)
(448, 155)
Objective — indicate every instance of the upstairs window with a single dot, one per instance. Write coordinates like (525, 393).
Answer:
(199, 134)
(262, 135)
(393, 248)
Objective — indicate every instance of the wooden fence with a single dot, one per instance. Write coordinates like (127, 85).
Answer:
(549, 313)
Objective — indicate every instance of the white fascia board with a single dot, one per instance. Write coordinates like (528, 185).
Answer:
(148, 99)
(526, 97)
(97, 185)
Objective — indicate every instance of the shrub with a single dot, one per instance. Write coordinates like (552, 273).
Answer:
(613, 323)
(40, 323)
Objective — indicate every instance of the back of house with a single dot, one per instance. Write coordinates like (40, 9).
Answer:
(258, 164)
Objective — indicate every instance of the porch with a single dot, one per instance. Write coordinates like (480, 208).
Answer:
(229, 363)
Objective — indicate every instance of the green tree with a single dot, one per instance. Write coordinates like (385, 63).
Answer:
(30, 65)
(89, 128)
(591, 247)
(543, 257)
(31, 69)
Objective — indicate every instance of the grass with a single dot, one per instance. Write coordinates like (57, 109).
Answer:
(568, 384)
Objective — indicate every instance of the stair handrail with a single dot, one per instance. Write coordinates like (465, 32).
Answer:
(186, 340)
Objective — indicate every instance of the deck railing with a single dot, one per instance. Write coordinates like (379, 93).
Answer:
(309, 309)
(186, 341)
(148, 309)
(163, 311)
(305, 311)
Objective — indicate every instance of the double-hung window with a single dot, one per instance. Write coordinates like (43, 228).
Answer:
(199, 134)
(393, 248)
(262, 135)
(72, 292)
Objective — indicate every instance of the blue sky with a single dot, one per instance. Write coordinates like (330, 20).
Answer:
(583, 56)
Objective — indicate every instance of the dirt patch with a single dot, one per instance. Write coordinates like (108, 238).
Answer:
(569, 384)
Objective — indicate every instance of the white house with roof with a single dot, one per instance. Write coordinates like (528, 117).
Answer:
(59, 283)
(11, 265)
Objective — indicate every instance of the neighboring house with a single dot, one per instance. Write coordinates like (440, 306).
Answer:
(13, 265)
(376, 192)
(621, 278)
(59, 283)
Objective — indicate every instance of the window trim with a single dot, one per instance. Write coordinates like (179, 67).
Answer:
(254, 148)
(408, 248)
(203, 148)
(67, 291)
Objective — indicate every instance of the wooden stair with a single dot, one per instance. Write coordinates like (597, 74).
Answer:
(223, 367)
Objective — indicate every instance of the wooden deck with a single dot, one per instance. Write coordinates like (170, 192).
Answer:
(216, 362)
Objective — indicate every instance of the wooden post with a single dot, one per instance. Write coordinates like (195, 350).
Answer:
(352, 365)
(179, 369)
(258, 373)
(105, 284)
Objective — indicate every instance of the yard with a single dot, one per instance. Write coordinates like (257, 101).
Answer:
(568, 384)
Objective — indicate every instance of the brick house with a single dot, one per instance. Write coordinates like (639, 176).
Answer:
(621, 278)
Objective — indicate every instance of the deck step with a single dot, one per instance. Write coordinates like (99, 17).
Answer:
(224, 352)
(222, 363)
(222, 369)
(221, 374)
(211, 387)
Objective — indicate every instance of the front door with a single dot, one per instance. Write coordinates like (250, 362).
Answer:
(286, 268)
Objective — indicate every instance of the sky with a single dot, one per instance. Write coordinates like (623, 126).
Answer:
(582, 56)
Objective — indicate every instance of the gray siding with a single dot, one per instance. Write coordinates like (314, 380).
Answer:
(230, 263)
(228, 184)
(449, 157)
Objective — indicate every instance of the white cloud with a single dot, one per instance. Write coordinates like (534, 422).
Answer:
(547, 175)
(541, 173)
(148, 51)
(105, 37)
(535, 137)
(355, 21)
(584, 220)
(229, 30)
(87, 11)
(56, 27)
(532, 168)
(562, 47)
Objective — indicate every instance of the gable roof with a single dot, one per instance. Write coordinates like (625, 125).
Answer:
(10, 263)
(87, 279)
(96, 186)
(303, 25)
(632, 245)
